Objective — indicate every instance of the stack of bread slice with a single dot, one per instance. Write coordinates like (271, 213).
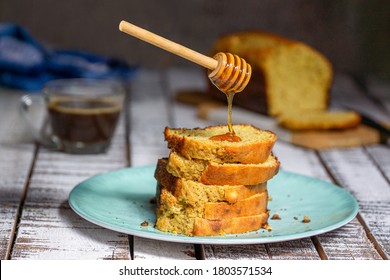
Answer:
(209, 187)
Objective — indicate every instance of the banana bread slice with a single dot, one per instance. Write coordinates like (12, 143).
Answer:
(174, 217)
(204, 227)
(213, 173)
(193, 192)
(255, 145)
(170, 205)
(319, 120)
(196, 226)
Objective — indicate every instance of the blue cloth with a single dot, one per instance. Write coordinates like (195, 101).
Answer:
(27, 64)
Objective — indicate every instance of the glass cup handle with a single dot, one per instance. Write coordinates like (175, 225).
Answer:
(36, 118)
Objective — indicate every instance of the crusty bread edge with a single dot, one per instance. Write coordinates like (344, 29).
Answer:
(204, 227)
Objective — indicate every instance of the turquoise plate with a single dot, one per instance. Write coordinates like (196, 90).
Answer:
(121, 201)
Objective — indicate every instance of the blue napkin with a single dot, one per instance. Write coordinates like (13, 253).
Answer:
(27, 64)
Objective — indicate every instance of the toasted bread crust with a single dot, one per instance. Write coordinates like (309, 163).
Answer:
(212, 173)
(204, 227)
(254, 205)
(247, 175)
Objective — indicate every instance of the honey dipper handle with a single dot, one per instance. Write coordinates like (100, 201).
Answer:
(161, 42)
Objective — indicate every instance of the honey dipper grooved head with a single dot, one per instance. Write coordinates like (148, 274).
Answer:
(232, 73)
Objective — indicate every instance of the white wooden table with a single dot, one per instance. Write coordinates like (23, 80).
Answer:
(37, 222)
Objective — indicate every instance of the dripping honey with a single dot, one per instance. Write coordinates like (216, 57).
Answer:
(231, 135)
(231, 77)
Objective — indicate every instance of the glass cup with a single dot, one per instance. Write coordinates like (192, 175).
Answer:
(82, 114)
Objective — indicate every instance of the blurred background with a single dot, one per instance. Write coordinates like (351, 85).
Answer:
(353, 34)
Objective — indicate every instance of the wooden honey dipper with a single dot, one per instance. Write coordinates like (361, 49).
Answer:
(227, 72)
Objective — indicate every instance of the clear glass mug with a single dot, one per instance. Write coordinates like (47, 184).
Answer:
(82, 114)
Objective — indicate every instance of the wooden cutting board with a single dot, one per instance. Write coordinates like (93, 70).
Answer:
(315, 139)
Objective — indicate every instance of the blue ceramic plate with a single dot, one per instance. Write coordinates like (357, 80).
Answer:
(120, 201)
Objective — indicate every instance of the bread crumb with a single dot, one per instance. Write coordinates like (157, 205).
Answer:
(295, 218)
(275, 217)
(144, 223)
(306, 219)
(268, 227)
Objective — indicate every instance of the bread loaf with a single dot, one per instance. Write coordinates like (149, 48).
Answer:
(287, 75)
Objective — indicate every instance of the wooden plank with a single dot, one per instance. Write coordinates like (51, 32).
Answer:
(347, 94)
(302, 249)
(349, 242)
(149, 114)
(380, 225)
(380, 91)
(8, 217)
(235, 252)
(355, 170)
(380, 154)
(16, 157)
(148, 118)
(58, 233)
(48, 228)
(300, 160)
(152, 249)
